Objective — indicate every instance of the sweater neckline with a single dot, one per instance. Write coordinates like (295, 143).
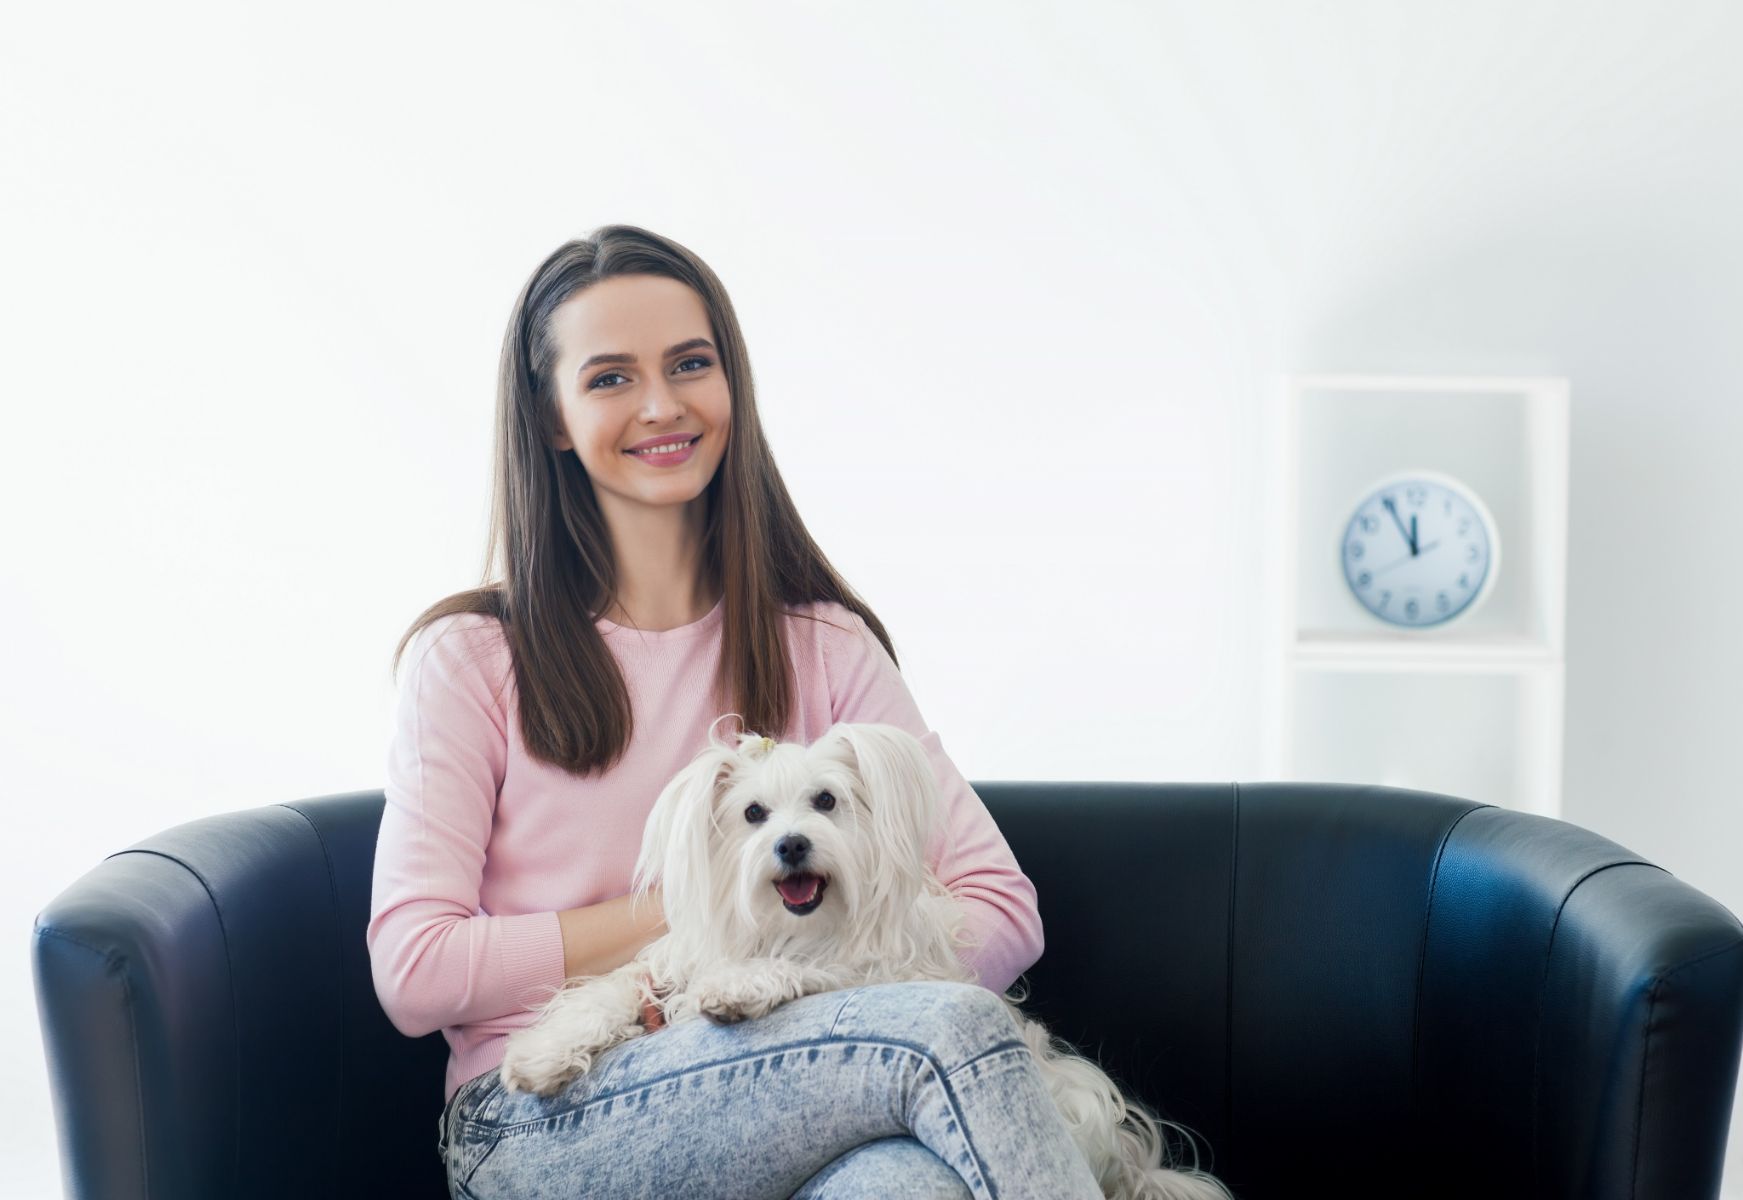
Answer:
(676, 633)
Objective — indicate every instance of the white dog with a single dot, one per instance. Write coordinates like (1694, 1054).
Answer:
(787, 870)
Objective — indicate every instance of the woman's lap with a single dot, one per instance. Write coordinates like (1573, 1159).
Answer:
(814, 1097)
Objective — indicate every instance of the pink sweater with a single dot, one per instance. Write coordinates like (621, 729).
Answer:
(481, 845)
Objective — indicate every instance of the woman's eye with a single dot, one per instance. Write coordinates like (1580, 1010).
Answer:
(824, 801)
(695, 358)
(755, 813)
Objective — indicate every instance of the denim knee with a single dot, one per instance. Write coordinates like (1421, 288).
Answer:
(952, 1022)
(892, 1168)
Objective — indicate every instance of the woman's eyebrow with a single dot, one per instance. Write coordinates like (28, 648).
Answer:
(692, 344)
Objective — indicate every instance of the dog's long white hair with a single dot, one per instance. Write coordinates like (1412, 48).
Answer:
(848, 825)
(889, 918)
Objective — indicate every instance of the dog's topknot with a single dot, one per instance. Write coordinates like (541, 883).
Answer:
(746, 742)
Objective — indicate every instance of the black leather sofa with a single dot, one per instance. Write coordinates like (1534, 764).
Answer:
(1344, 990)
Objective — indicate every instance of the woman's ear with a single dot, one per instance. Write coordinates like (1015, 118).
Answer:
(901, 792)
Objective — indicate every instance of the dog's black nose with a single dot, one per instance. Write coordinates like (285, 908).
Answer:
(793, 848)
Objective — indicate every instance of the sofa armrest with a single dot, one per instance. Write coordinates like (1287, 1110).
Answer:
(188, 993)
(1571, 1001)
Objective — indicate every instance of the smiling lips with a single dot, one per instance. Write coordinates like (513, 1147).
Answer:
(663, 456)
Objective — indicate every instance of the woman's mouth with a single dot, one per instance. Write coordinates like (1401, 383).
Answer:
(664, 456)
(801, 893)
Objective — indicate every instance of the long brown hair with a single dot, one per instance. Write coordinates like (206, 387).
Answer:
(557, 570)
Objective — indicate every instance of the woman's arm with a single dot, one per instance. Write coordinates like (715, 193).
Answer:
(436, 960)
(971, 858)
(602, 937)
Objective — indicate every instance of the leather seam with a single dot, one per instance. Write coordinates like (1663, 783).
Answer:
(1646, 1054)
(138, 1079)
(1542, 989)
(235, 1014)
(338, 975)
(1422, 957)
(114, 960)
(1229, 966)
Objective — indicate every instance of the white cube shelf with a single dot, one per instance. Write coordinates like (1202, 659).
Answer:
(1474, 709)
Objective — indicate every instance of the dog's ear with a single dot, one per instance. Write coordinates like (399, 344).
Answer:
(675, 840)
(901, 790)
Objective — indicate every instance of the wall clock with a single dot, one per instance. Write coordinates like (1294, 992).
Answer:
(1420, 550)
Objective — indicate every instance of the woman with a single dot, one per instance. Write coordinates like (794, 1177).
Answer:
(643, 593)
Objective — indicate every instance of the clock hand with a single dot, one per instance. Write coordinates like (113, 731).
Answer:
(1409, 538)
(1397, 561)
(1413, 548)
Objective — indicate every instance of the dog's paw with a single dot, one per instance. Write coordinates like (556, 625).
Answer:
(542, 1079)
(531, 1066)
(736, 992)
(724, 1006)
(724, 1012)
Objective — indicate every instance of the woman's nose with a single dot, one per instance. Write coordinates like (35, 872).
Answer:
(661, 403)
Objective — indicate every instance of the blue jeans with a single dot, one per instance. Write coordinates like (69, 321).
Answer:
(915, 1089)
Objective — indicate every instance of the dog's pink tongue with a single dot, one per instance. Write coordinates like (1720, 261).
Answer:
(797, 889)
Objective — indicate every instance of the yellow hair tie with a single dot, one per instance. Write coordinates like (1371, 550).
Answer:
(768, 744)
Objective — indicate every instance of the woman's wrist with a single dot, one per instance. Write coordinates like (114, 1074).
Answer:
(599, 938)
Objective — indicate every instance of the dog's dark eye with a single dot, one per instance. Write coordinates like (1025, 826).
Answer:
(755, 813)
(824, 801)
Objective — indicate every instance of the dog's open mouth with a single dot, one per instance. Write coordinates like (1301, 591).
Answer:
(801, 892)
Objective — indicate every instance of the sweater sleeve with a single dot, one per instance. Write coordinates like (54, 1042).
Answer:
(972, 858)
(437, 960)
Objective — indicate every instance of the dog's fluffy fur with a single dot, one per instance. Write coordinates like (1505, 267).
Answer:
(858, 807)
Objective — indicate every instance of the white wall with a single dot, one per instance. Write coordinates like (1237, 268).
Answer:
(257, 267)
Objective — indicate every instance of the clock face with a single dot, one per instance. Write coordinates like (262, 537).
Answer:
(1420, 550)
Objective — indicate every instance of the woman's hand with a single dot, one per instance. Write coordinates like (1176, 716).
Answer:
(652, 1018)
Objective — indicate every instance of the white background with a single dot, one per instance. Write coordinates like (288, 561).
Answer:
(1014, 278)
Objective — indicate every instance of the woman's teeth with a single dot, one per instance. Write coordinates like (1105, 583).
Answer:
(668, 448)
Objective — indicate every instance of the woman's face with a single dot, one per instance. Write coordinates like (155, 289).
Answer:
(608, 406)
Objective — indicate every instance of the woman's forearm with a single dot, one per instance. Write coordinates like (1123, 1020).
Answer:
(598, 938)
